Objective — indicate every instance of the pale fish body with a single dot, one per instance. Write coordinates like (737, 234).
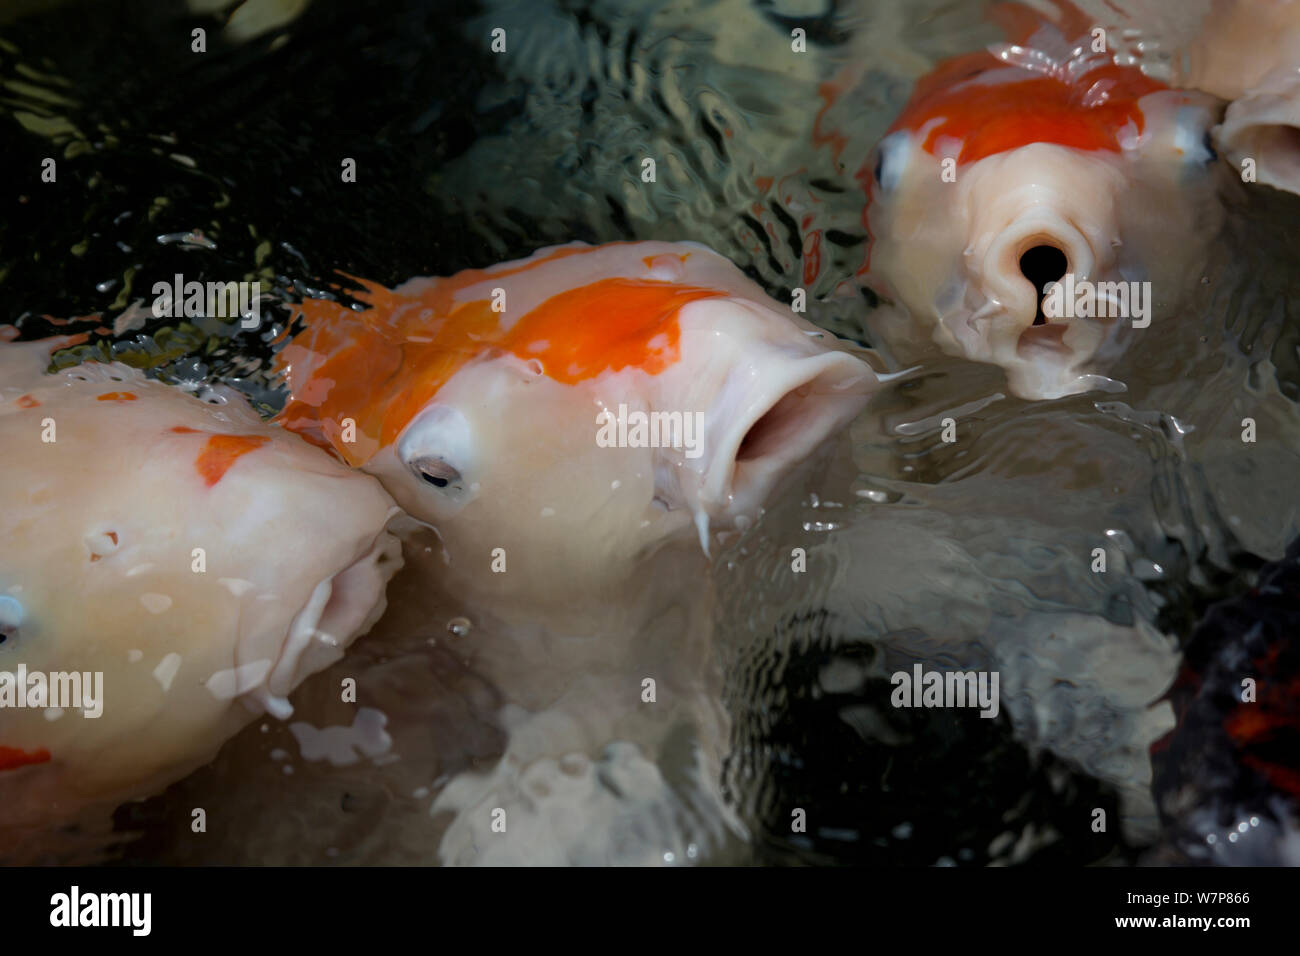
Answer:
(197, 563)
(575, 561)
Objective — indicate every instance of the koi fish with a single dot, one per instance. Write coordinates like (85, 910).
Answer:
(514, 408)
(1249, 53)
(1227, 777)
(1034, 162)
(170, 568)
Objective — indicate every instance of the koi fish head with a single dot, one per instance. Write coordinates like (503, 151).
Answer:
(1248, 52)
(1017, 167)
(622, 395)
(199, 562)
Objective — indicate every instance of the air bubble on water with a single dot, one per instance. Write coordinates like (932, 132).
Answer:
(459, 626)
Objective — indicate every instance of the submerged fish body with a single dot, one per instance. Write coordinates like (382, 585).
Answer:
(513, 410)
(1227, 778)
(1032, 162)
(556, 417)
(169, 569)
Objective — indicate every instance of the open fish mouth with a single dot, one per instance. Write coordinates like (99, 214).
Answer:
(770, 419)
(786, 424)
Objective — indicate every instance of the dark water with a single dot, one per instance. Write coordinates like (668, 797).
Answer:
(226, 165)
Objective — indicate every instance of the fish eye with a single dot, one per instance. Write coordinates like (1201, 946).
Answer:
(438, 450)
(11, 617)
(1193, 137)
(436, 472)
(891, 157)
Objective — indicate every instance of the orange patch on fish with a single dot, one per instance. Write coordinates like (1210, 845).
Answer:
(118, 397)
(604, 326)
(11, 758)
(220, 452)
(977, 100)
(958, 103)
(26, 401)
(184, 430)
(380, 367)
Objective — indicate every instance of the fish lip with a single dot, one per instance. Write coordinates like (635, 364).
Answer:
(1048, 338)
(1042, 226)
(341, 607)
(739, 478)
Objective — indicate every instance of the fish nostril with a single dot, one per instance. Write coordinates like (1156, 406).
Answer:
(1043, 265)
